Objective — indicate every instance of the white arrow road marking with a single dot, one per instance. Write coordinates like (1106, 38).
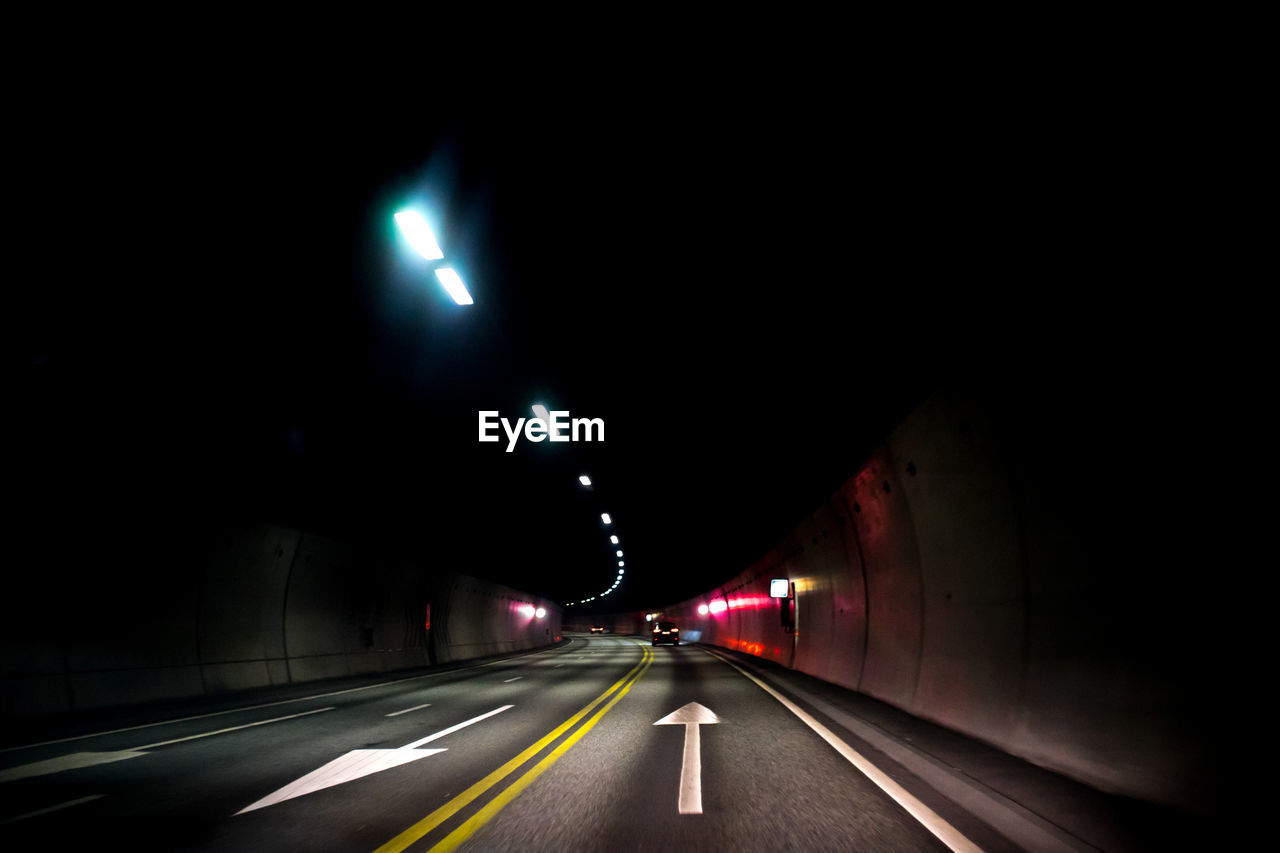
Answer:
(76, 760)
(353, 765)
(691, 716)
(361, 762)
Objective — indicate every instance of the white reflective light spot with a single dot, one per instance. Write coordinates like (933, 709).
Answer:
(540, 612)
(454, 285)
(604, 516)
(418, 233)
(702, 610)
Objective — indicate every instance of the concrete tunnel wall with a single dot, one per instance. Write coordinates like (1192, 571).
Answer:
(251, 607)
(969, 573)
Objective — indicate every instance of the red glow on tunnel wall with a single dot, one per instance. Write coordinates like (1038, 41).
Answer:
(740, 602)
(750, 648)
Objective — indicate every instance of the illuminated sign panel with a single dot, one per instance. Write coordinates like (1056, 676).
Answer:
(779, 588)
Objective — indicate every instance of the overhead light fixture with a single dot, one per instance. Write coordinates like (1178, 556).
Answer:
(418, 233)
(613, 539)
(453, 284)
(584, 480)
(604, 516)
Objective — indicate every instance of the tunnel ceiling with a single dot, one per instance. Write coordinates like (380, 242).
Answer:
(221, 323)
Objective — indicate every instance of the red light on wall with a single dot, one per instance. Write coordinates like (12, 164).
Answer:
(427, 624)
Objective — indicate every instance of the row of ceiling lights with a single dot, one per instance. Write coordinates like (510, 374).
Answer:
(613, 540)
(419, 234)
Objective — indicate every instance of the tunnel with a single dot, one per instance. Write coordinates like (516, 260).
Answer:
(507, 484)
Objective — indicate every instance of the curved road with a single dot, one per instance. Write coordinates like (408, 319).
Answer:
(555, 750)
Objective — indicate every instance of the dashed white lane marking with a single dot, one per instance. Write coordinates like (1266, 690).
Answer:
(407, 710)
(58, 807)
(509, 680)
(270, 704)
(453, 729)
(234, 728)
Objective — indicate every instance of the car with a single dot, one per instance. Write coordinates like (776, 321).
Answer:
(666, 632)
(597, 629)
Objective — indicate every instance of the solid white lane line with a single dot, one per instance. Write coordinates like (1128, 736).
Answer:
(233, 729)
(927, 817)
(452, 729)
(58, 807)
(407, 710)
(509, 680)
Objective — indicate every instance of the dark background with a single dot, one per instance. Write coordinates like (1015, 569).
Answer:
(218, 321)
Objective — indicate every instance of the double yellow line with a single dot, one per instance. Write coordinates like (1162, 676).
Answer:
(484, 815)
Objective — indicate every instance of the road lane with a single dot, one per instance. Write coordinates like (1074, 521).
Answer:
(184, 796)
(767, 781)
(573, 760)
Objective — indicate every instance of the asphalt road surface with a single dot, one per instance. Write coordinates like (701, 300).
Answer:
(555, 750)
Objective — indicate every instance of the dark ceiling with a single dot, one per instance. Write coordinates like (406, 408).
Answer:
(220, 320)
